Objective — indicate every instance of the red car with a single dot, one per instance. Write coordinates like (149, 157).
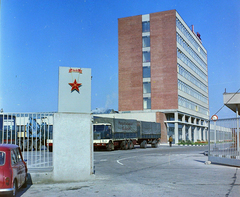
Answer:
(13, 170)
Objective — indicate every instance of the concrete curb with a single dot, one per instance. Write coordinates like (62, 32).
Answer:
(190, 145)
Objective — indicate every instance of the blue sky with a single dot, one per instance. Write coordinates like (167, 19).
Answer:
(38, 36)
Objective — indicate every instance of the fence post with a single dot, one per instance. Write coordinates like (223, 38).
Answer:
(237, 130)
(209, 129)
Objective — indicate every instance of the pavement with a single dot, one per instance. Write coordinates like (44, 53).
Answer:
(180, 175)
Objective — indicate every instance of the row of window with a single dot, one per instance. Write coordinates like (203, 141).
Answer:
(188, 119)
(191, 105)
(181, 27)
(146, 70)
(187, 75)
(185, 45)
(189, 90)
(191, 65)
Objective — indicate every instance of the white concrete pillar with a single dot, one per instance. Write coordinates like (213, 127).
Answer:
(199, 130)
(190, 128)
(204, 134)
(195, 133)
(184, 129)
(176, 127)
(72, 147)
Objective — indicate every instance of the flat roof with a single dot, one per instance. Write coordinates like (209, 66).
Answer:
(232, 101)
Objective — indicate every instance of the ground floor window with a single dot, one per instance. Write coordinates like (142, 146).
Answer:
(171, 131)
(192, 133)
(187, 135)
(180, 127)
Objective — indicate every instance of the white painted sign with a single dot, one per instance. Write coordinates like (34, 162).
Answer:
(74, 91)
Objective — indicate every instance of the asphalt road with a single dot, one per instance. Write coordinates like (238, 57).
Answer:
(163, 171)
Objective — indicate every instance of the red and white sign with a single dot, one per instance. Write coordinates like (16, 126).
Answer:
(75, 70)
(75, 86)
(74, 91)
(214, 117)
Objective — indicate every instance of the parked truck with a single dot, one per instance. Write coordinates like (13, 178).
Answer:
(112, 133)
(149, 133)
(27, 132)
(7, 129)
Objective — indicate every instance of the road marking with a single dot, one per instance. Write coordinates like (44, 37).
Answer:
(118, 161)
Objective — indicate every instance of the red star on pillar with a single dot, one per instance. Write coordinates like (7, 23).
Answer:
(75, 86)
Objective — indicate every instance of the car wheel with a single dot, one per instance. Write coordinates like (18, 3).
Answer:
(14, 192)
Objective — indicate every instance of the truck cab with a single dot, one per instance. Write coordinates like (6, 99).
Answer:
(102, 131)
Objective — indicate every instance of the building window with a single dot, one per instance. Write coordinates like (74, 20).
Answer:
(190, 38)
(146, 26)
(191, 105)
(145, 41)
(187, 75)
(146, 72)
(190, 64)
(180, 126)
(146, 103)
(189, 90)
(180, 117)
(170, 117)
(146, 87)
(146, 56)
(191, 52)
(171, 131)
(187, 129)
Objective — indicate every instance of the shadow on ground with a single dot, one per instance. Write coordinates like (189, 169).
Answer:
(22, 190)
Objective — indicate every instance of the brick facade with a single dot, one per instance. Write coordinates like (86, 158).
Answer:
(164, 73)
(130, 85)
(161, 117)
(164, 83)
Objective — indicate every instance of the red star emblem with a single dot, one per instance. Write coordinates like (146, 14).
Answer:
(75, 86)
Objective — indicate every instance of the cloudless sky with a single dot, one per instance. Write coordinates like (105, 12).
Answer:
(38, 36)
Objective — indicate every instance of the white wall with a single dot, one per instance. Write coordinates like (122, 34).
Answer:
(72, 147)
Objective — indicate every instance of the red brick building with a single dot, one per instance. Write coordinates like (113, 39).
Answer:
(163, 70)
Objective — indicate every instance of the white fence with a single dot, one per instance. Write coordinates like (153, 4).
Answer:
(33, 133)
(224, 142)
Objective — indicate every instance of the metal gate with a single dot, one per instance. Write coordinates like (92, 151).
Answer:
(33, 133)
(224, 141)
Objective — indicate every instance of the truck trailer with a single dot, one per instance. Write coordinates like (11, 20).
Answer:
(27, 132)
(114, 133)
(7, 129)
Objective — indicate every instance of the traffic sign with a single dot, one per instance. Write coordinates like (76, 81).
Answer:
(214, 117)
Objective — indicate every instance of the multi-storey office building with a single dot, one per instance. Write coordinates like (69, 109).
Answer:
(163, 71)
